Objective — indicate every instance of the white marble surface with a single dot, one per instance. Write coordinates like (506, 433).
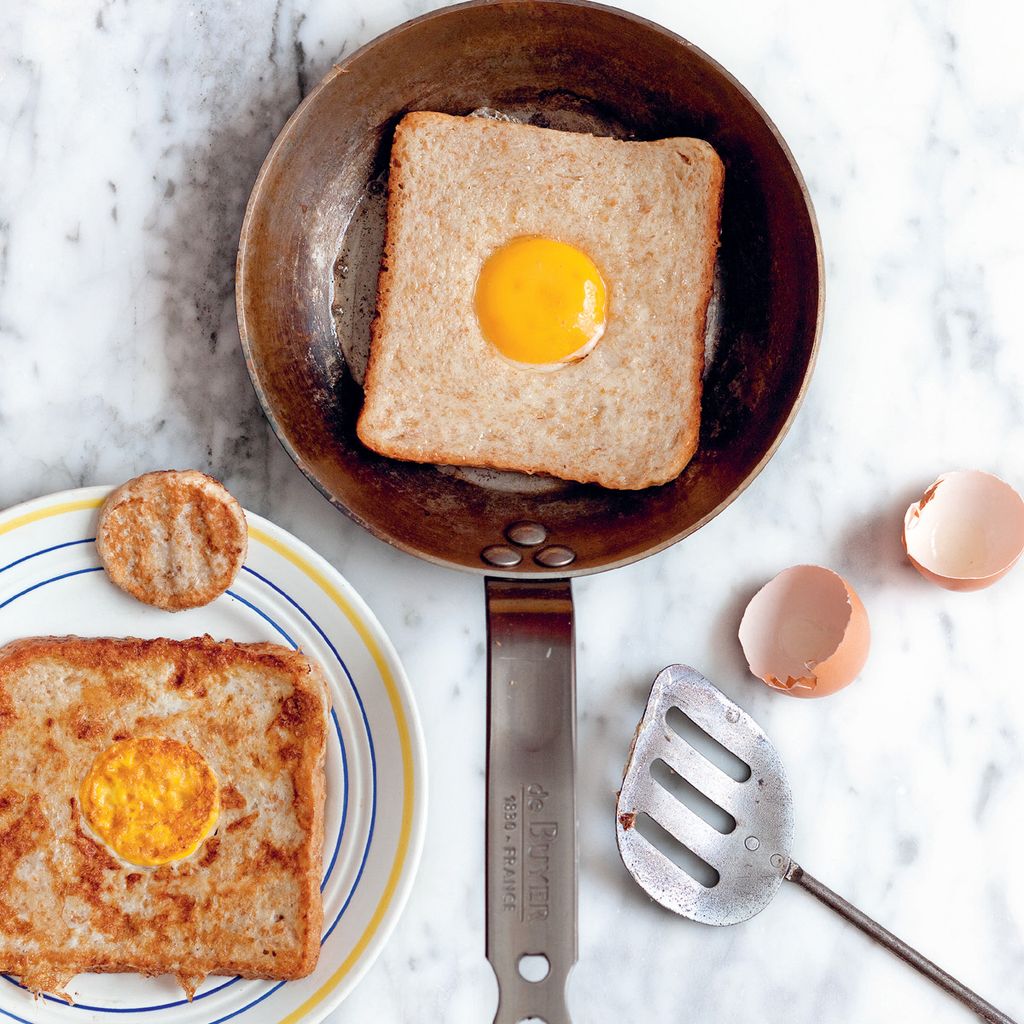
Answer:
(130, 133)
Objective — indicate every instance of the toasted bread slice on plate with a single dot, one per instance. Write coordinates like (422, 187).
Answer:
(247, 900)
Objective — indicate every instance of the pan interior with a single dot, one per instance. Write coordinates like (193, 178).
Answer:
(313, 236)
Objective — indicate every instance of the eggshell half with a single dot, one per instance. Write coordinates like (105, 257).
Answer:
(966, 532)
(805, 632)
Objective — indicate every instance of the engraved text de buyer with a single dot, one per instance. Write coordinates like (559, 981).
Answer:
(526, 854)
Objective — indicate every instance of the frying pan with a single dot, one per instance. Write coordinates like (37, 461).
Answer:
(307, 264)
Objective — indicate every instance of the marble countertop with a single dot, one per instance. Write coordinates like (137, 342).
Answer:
(130, 134)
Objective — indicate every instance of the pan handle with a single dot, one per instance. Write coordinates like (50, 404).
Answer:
(531, 855)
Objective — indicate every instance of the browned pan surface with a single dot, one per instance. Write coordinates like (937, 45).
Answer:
(312, 238)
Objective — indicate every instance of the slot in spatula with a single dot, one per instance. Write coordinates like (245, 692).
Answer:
(741, 853)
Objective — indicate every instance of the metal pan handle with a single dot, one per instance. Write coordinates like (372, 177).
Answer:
(531, 800)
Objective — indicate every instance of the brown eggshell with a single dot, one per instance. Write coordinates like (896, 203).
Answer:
(805, 632)
(966, 532)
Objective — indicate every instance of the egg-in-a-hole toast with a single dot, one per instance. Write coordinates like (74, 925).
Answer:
(542, 301)
(161, 809)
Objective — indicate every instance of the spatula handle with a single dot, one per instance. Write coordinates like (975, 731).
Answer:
(896, 945)
(531, 802)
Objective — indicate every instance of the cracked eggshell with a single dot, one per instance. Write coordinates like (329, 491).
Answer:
(805, 632)
(966, 532)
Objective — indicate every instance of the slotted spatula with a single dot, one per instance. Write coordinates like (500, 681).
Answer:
(749, 860)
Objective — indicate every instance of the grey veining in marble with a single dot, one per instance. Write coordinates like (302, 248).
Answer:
(130, 135)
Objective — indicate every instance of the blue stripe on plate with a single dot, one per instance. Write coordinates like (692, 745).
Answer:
(54, 579)
(14, 1016)
(344, 813)
(46, 551)
(373, 753)
(341, 743)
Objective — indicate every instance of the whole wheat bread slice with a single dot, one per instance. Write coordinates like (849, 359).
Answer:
(628, 415)
(248, 900)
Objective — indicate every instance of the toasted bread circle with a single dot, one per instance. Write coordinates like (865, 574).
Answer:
(175, 539)
(247, 901)
(647, 213)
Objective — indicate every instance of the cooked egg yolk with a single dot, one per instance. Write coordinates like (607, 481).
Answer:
(541, 303)
(151, 800)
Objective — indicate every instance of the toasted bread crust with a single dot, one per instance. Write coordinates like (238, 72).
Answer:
(248, 901)
(427, 402)
(175, 539)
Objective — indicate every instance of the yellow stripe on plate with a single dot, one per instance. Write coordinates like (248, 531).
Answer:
(51, 510)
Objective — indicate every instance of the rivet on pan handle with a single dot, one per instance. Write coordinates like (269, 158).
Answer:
(531, 802)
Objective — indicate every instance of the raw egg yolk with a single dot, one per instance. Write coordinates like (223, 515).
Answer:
(151, 800)
(541, 303)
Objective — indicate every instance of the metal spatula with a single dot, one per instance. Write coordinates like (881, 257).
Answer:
(739, 848)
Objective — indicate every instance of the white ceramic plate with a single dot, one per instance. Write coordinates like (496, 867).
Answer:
(51, 583)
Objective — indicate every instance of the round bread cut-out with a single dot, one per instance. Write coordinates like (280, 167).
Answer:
(174, 539)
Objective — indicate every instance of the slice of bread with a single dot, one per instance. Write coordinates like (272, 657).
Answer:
(247, 901)
(628, 415)
(175, 539)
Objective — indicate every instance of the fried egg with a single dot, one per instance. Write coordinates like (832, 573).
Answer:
(152, 800)
(541, 303)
